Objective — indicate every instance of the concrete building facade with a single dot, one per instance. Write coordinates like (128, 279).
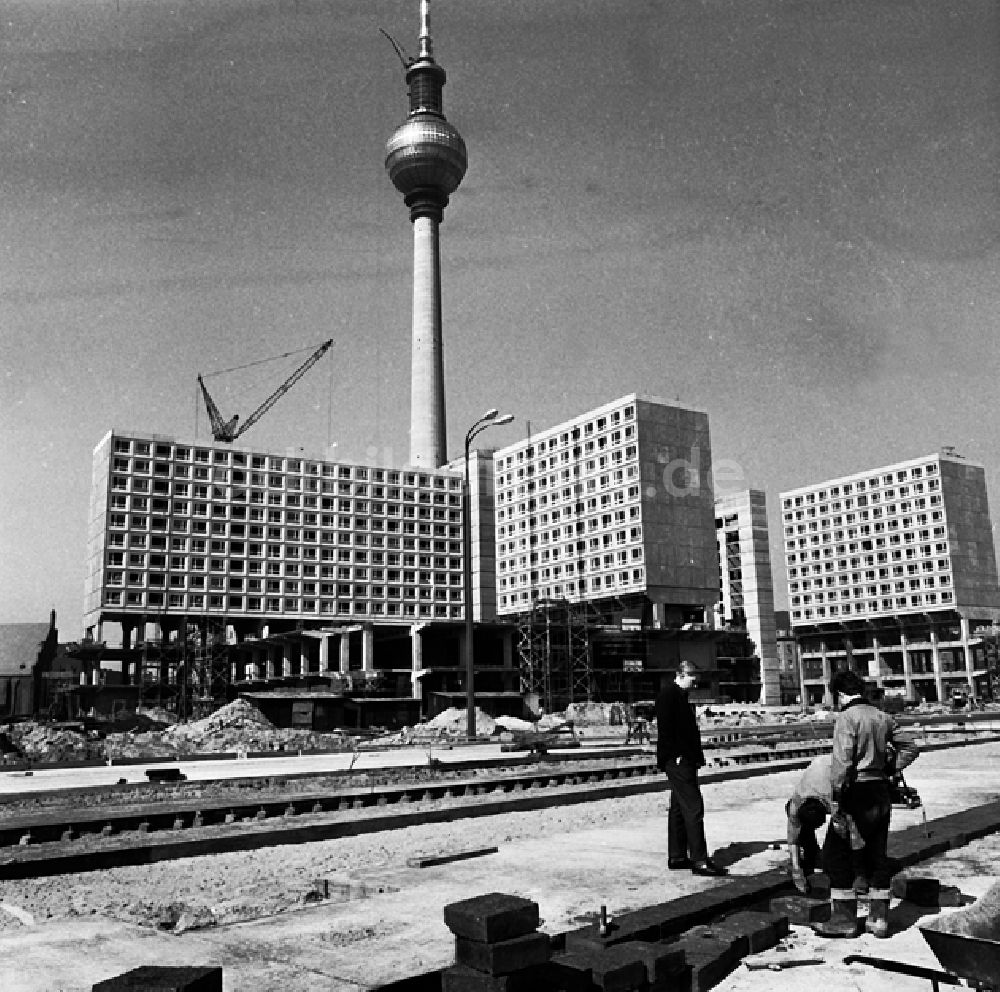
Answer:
(745, 584)
(314, 568)
(615, 502)
(892, 571)
(206, 528)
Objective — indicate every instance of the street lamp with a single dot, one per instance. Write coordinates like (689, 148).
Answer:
(491, 418)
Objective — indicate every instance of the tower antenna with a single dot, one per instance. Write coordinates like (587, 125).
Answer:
(426, 48)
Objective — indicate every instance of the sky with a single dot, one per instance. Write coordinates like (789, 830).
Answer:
(782, 212)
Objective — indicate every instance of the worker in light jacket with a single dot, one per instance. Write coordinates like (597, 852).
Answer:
(679, 756)
(865, 755)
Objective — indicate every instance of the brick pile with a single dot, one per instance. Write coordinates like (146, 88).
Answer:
(498, 949)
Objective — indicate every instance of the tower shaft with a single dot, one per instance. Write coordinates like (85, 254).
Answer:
(428, 443)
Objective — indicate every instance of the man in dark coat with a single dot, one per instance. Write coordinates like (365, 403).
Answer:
(679, 755)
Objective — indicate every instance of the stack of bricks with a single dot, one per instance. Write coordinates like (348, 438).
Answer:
(631, 966)
(497, 945)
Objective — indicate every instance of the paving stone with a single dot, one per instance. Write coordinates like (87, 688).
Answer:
(800, 910)
(461, 978)
(921, 890)
(661, 959)
(155, 978)
(504, 956)
(642, 925)
(492, 917)
(576, 963)
(619, 968)
(734, 939)
(555, 976)
(951, 896)
(759, 929)
(680, 981)
(711, 960)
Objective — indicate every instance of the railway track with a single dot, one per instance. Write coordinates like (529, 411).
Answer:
(127, 826)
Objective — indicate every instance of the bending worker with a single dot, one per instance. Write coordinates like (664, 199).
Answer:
(810, 803)
(866, 753)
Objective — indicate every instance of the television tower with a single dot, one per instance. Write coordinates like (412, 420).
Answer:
(426, 160)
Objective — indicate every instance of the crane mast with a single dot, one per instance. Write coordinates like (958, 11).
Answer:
(230, 430)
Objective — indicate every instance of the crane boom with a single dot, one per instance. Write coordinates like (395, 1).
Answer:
(227, 430)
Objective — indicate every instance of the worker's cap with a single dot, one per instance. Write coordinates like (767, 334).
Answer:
(687, 668)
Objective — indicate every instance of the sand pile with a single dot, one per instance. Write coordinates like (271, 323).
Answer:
(981, 919)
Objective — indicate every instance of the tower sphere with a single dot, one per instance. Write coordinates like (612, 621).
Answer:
(426, 153)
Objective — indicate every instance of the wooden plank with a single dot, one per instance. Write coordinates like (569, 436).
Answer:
(429, 860)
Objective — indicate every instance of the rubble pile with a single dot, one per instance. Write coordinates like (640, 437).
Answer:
(596, 714)
(241, 726)
(39, 743)
(238, 726)
(156, 714)
(447, 725)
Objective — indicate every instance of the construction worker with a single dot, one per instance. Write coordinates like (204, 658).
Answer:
(809, 805)
(679, 756)
(867, 750)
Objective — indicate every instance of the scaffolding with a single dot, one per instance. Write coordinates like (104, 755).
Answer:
(210, 676)
(159, 663)
(554, 654)
(189, 674)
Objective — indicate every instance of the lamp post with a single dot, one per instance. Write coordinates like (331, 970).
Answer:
(491, 418)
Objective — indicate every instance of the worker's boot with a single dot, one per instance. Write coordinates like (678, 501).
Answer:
(877, 923)
(843, 920)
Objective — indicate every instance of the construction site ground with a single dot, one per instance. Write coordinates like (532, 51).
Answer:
(352, 914)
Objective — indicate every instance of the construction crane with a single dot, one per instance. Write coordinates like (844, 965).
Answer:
(230, 430)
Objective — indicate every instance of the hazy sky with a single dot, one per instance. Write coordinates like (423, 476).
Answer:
(783, 212)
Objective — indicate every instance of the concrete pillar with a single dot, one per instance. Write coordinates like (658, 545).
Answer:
(904, 646)
(936, 665)
(324, 653)
(286, 658)
(659, 616)
(416, 661)
(270, 660)
(126, 636)
(427, 416)
(368, 647)
(875, 665)
(345, 651)
(970, 663)
(827, 673)
(508, 649)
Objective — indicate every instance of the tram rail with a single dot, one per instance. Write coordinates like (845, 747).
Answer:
(135, 829)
